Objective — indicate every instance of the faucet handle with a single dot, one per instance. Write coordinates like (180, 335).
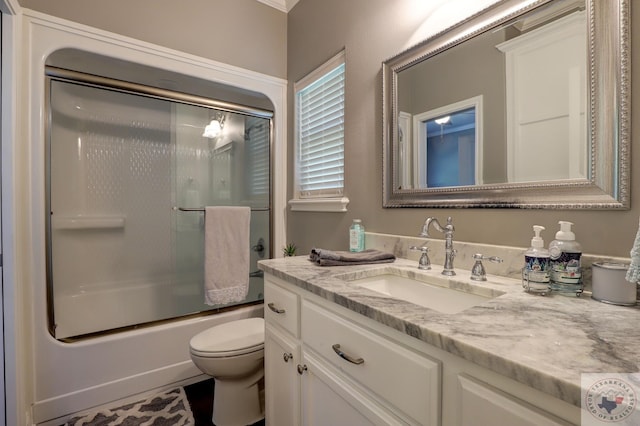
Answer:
(494, 259)
(478, 272)
(424, 262)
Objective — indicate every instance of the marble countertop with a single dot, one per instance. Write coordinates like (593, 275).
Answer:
(542, 342)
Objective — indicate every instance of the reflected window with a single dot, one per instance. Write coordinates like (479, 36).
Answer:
(448, 145)
(450, 154)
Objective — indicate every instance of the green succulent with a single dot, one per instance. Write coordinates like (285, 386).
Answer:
(289, 250)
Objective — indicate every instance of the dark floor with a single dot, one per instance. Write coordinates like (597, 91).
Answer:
(200, 396)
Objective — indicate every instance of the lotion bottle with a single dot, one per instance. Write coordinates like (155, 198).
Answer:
(356, 236)
(536, 264)
(565, 253)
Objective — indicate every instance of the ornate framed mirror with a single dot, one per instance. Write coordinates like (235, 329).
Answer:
(526, 104)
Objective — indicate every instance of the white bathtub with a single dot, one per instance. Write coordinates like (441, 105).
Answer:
(72, 377)
(107, 306)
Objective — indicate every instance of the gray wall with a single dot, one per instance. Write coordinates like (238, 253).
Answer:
(471, 69)
(372, 31)
(244, 33)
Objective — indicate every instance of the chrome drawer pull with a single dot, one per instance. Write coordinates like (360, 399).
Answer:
(336, 349)
(272, 306)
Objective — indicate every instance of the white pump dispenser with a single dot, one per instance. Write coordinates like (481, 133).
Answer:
(537, 241)
(565, 253)
(565, 233)
(536, 264)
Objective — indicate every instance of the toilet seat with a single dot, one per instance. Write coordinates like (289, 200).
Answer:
(229, 339)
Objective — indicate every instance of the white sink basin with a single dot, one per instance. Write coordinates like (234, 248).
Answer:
(442, 299)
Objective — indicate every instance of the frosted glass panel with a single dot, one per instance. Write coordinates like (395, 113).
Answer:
(121, 168)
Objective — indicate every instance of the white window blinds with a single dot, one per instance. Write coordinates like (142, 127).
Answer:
(320, 131)
(257, 153)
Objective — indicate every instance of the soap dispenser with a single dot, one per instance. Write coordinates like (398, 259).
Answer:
(535, 275)
(565, 252)
(356, 236)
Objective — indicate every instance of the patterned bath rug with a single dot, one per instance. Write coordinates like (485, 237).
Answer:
(169, 408)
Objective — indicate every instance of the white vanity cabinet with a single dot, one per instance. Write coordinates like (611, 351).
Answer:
(327, 365)
(346, 374)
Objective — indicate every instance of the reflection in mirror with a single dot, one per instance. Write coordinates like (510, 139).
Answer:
(451, 163)
(445, 148)
(525, 94)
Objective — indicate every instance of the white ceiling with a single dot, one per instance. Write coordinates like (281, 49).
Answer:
(283, 5)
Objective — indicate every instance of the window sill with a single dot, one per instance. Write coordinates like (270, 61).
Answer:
(336, 205)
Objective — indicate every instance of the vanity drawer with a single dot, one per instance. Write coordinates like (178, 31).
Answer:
(281, 306)
(408, 380)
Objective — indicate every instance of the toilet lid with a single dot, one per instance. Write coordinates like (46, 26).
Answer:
(234, 337)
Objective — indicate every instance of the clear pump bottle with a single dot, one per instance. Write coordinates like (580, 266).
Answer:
(536, 264)
(356, 236)
(565, 253)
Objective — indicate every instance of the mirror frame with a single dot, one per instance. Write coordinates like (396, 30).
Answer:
(608, 97)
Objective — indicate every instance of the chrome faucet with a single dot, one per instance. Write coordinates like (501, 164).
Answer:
(447, 230)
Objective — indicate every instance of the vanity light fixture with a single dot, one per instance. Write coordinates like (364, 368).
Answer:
(215, 126)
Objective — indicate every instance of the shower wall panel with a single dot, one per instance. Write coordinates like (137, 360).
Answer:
(110, 164)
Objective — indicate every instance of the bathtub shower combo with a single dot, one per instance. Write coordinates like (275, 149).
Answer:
(130, 169)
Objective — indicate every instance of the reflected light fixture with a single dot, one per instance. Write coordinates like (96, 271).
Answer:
(443, 120)
(214, 127)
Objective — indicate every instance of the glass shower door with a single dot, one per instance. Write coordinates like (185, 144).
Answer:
(125, 173)
(228, 169)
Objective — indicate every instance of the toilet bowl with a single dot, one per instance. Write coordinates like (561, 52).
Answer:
(233, 354)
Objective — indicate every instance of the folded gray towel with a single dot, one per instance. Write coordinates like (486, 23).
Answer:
(324, 257)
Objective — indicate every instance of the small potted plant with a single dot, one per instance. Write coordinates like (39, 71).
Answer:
(289, 250)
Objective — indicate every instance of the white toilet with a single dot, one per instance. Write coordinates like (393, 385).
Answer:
(233, 354)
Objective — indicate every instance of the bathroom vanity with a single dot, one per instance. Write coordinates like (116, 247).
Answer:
(338, 351)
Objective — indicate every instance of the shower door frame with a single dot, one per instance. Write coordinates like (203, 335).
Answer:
(53, 73)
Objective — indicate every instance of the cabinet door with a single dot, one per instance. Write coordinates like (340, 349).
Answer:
(482, 404)
(329, 400)
(282, 381)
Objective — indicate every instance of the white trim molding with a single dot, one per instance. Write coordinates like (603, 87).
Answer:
(336, 205)
(15, 393)
(282, 5)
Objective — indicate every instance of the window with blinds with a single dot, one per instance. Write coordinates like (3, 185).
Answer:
(319, 104)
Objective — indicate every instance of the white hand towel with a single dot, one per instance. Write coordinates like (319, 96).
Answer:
(633, 273)
(226, 254)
